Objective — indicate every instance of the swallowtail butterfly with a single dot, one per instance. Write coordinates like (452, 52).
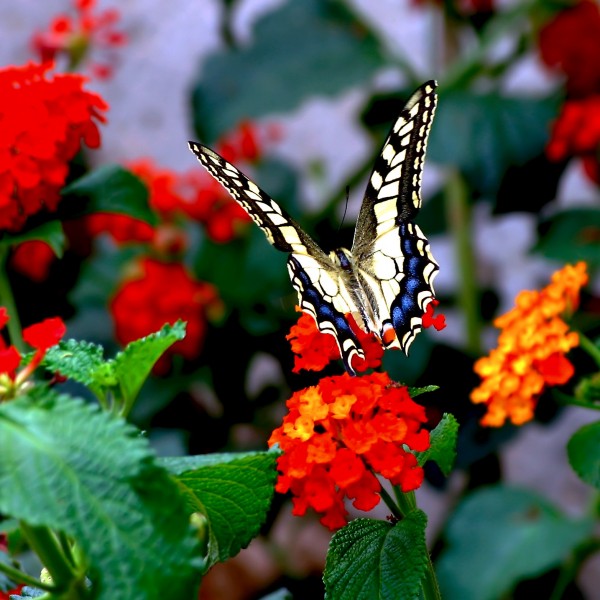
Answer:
(386, 280)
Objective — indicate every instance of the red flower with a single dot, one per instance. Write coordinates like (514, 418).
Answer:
(15, 591)
(75, 37)
(314, 350)
(338, 434)
(33, 259)
(39, 336)
(569, 42)
(576, 132)
(43, 121)
(160, 293)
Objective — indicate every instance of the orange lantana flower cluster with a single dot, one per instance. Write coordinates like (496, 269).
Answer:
(531, 350)
(340, 432)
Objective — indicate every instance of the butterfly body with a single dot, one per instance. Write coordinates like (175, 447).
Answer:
(386, 280)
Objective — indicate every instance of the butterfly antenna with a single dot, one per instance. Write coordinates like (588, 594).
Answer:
(345, 208)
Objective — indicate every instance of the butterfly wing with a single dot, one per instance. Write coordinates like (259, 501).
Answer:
(324, 289)
(395, 264)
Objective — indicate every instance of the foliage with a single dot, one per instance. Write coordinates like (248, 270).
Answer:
(178, 315)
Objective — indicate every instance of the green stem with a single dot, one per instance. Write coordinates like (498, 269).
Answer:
(389, 501)
(570, 401)
(8, 301)
(589, 347)
(407, 502)
(44, 544)
(459, 219)
(20, 577)
(431, 589)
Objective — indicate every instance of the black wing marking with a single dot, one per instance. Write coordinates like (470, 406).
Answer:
(392, 252)
(281, 230)
(322, 286)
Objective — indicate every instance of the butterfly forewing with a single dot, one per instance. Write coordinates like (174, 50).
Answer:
(322, 285)
(392, 251)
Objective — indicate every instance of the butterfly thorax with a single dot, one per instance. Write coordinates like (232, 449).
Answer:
(359, 288)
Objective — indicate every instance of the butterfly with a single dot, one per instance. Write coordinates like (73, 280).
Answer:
(386, 281)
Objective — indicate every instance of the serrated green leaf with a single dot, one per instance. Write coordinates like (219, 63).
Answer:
(51, 232)
(442, 448)
(484, 134)
(285, 65)
(234, 491)
(133, 365)
(584, 453)
(77, 360)
(374, 559)
(69, 466)
(112, 189)
(504, 535)
(572, 235)
(417, 391)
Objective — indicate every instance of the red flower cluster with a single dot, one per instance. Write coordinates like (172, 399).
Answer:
(193, 194)
(40, 336)
(314, 350)
(75, 37)
(338, 434)
(576, 132)
(43, 121)
(160, 293)
(569, 43)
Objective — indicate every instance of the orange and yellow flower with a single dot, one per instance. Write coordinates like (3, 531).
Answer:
(531, 349)
(339, 434)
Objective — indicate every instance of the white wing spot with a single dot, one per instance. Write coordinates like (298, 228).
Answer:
(376, 180)
(390, 190)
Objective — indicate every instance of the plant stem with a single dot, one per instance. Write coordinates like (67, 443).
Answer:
(407, 502)
(44, 544)
(570, 401)
(589, 347)
(8, 301)
(390, 503)
(20, 577)
(459, 220)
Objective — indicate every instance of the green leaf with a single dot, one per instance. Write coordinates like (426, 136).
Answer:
(417, 391)
(234, 491)
(572, 235)
(112, 189)
(584, 453)
(374, 559)
(504, 535)
(68, 466)
(298, 50)
(77, 360)
(133, 365)
(51, 232)
(442, 449)
(484, 134)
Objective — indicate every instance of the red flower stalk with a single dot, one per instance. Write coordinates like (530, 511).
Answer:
(160, 293)
(43, 121)
(339, 434)
(76, 37)
(40, 336)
